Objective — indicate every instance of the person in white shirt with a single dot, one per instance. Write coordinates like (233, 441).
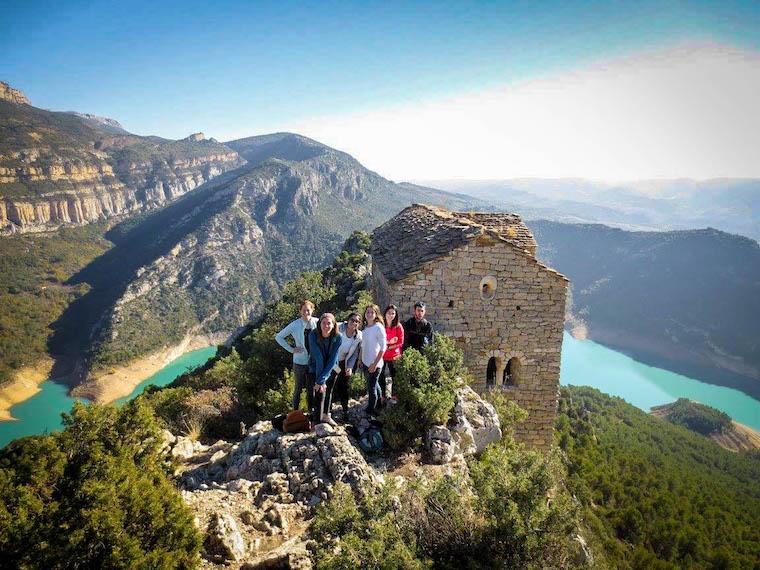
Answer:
(374, 345)
(299, 330)
(348, 356)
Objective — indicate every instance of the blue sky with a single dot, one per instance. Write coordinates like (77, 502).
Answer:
(236, 68)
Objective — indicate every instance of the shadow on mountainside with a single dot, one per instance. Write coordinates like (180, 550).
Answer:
(138, 241)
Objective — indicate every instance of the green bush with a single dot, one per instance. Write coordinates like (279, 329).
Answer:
(93, 496)
(425, 385)
(511, 511)
(364, 534)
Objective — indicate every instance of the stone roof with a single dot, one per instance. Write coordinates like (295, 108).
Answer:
(421, 233)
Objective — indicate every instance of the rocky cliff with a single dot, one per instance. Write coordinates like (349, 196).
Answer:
(68, 168)
(8, 93)
(254, 499)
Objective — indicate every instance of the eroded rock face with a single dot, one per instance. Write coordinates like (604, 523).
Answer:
(224, 539)
(8, 93)
(253, 498)
(474, 424)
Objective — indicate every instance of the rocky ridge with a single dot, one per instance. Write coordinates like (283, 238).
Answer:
(72, 168)
(253, 499)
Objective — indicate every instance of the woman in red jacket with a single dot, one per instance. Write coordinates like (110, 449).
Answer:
(394, 332)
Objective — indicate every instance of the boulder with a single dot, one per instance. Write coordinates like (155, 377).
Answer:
(475, 422)
(183, 448)
(439, 445)
(224, 539)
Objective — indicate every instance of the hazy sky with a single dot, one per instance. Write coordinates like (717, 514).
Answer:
(608, 90)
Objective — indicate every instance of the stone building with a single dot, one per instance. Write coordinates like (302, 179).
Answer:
(483, 286)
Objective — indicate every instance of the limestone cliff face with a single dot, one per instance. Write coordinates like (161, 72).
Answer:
(8, 93)
(98, 193)
(73, 168)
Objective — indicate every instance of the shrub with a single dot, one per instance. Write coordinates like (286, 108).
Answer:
(278, 400)
(425, 385)
(351, 535)
(93, 496)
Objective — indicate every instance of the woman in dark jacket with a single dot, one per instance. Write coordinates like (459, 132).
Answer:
(324, 342)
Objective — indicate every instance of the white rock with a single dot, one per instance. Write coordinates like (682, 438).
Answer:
(183, 448)
(224, 537)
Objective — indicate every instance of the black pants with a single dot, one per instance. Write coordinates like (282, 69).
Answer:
(389, 371)
(328, 395)
(339, 389)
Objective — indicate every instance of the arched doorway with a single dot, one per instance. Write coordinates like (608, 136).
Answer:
(511, 372)
(491, 372)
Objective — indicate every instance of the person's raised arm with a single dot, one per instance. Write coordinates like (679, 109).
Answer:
(332, 359)
(282, 335)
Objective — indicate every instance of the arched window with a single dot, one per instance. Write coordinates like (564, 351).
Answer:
(488, 288)
(511, 372)
(491, 372)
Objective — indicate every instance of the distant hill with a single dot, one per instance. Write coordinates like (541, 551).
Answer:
(685, 300)
(71, 168)
(729, 204)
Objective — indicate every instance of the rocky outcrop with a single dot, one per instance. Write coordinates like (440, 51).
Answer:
(252, 498)
(100, 193)
(473, 425)
(195, 137)
(8, 93)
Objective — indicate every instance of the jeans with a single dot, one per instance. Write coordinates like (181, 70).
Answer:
(373, 389)
(299, 371)
(386, 378)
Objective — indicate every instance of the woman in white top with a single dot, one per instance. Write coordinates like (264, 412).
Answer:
(374, 345)
(348, 356)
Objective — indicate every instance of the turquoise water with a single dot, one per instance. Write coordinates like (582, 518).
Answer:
(42, 413)
(586, 363)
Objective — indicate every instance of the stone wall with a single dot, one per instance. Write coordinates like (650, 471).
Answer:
(523, 320)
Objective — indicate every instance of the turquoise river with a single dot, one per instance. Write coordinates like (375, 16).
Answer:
(584, 362)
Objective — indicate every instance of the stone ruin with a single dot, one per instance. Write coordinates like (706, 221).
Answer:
(483, 287)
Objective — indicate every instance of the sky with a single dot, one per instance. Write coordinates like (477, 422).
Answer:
(417, 90)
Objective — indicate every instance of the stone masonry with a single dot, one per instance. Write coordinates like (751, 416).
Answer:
(483, 286)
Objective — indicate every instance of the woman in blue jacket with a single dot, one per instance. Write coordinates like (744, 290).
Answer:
(324, 342)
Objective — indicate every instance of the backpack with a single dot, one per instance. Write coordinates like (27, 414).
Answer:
(296, 421)
(278, 421)
(371, 440)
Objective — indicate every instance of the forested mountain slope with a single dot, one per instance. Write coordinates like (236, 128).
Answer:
(684, 300)
(656, 495)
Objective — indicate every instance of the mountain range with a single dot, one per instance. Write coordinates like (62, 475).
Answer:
(148, 244)
(728, 204)
(262, 210)
(687, 300)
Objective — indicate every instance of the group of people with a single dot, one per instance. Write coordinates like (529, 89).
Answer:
(327, 353)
